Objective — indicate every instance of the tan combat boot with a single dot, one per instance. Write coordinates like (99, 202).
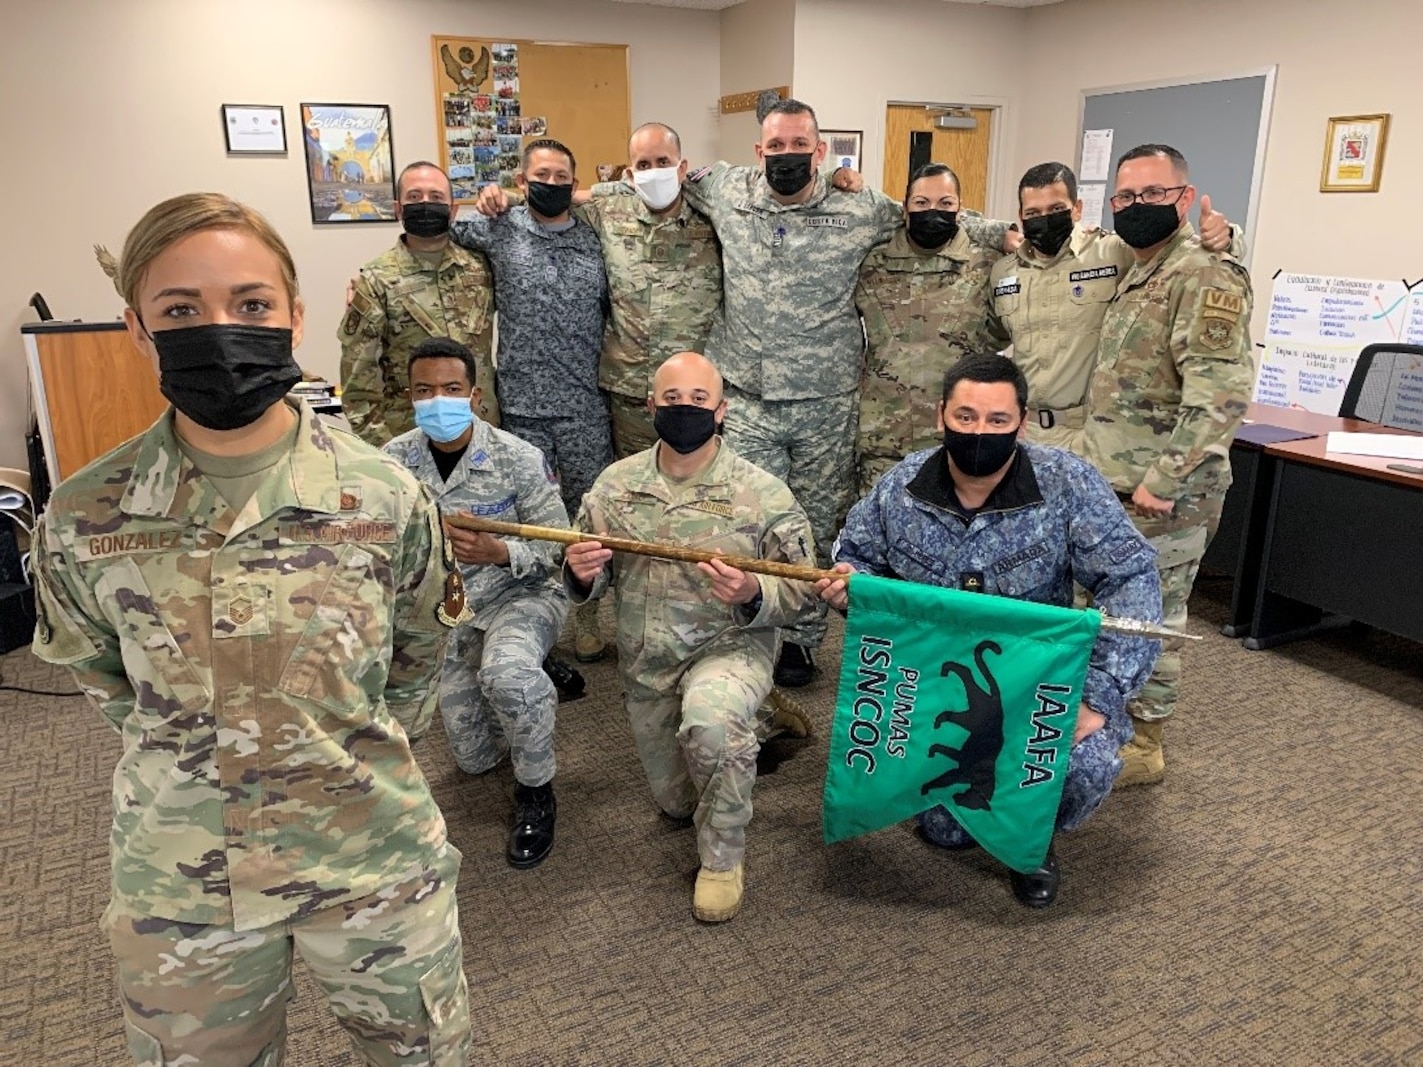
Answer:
(718, 894)
(788, 717)
(1143, 762)
(587, 644)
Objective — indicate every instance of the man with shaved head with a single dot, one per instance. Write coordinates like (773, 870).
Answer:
(696, 642)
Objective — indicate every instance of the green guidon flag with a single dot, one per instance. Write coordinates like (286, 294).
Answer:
(962, 699)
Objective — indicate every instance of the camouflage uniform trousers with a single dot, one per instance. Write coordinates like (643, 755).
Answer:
(1180, 541)
(632, 425)
(872, 469)
(1092, 768)
(390, 965)
(577, 448)
(698, 748)
(809, 445)
(495, 698)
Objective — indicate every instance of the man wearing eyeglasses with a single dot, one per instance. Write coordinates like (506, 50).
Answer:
(1173, 377)
(1052, 292)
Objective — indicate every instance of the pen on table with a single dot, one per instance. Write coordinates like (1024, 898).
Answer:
(1405, 468)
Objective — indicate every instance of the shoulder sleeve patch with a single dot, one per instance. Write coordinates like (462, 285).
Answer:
(700, 173)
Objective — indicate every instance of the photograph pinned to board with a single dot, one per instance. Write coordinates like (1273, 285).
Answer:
(842, 148)
(256, 129)
(350, 166)
(1353, 154)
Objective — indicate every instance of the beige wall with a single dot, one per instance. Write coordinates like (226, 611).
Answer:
(1326, 67)
(113, 106)
(853, 58)
(757, 52)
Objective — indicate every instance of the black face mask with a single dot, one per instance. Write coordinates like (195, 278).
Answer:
(225, 376)
(932, 228)
(1048, 233)
(685, 427)
(788, 172)
(426, 218)
(1144, 225)
(548, 200)
(979, 454)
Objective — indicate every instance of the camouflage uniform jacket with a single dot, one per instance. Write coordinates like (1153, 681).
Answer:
(507, 479)
(552, 297)
(664, 279)
(789, 329)
(1174, 373)
(1052, 520)
(667, 617)
(398, 302)
(266, 670)
(922, 311)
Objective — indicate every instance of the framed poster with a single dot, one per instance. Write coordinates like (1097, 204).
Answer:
(255, 128)
(350, 166)
(843, 148)
(1353, 154)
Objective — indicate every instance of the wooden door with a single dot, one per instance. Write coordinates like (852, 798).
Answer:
(966, 151)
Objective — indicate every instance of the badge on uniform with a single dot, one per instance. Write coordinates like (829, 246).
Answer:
(971, 581)
(1077, 290)
(1007, 286)
(454, 607)
(1220, 313)
(700, 173)
(352, 322)
(350, 498)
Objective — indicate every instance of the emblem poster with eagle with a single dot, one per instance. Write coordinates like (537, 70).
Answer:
(488, 108)
(962, 699)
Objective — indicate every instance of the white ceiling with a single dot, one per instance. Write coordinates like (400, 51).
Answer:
(717, 5)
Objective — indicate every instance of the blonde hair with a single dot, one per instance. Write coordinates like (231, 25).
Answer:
(168, 223)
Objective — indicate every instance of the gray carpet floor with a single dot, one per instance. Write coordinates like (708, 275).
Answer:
(1263, 906)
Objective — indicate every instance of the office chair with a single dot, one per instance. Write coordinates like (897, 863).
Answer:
(1386, 387)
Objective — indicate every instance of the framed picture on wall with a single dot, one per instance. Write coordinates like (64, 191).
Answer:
(1353, 154)
(255, 128)
(350, 166)
(843, 148)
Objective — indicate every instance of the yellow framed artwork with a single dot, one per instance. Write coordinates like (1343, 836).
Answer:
(1353, 154)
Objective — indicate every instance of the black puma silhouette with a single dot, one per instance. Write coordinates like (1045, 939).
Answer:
(983, 719)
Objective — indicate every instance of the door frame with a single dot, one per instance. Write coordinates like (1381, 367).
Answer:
(1002, 188)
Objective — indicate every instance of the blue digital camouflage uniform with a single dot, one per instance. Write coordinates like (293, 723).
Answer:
(695, 670)
(1052, 521)
(266, 669)
(1170, 388)
(494, 695)
(551, 294)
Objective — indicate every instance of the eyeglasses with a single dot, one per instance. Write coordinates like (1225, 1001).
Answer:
(1152, 194)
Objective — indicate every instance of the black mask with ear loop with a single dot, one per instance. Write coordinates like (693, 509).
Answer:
(224, 376)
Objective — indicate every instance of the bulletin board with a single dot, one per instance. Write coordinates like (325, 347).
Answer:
(1221, 125)
(493, 96)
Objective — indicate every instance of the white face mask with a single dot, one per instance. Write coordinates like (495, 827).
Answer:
(658, 188)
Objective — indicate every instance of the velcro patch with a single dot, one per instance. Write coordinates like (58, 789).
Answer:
(700, 173)
(1007, 287)
(1109, 271)
(1027, 555)
(838, 221)
(724, 510)
(1221, 304)
(333, 533)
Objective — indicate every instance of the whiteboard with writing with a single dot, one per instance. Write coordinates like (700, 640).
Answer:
(1316, 328)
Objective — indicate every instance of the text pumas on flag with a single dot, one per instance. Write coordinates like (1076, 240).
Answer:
(960, 699)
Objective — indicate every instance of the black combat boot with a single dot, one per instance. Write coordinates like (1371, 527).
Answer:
(1038, 888)
(565, 677)
(531, 831)
(794, 666)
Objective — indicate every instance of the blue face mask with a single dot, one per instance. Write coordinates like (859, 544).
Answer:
(443, 418)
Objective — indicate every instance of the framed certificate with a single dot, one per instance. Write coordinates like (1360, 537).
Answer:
(1353, 154)
(254, 128)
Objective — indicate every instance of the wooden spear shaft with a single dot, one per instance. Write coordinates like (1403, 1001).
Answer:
(772, 567)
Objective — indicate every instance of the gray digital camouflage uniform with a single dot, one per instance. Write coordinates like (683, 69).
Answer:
(552, 296)
(695, 670)
(266, 671)
(495, 698)
(664, 280)
(923, 311)
(789, 338)
(1171, 385)
(402, 298)
(1052, 521)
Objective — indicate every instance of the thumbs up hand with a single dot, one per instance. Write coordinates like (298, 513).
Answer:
(1215, 228)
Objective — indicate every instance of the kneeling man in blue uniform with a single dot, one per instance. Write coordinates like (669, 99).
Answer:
(989, 513)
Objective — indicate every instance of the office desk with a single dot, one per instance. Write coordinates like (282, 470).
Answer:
(1239, 541)
(1342, 536)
